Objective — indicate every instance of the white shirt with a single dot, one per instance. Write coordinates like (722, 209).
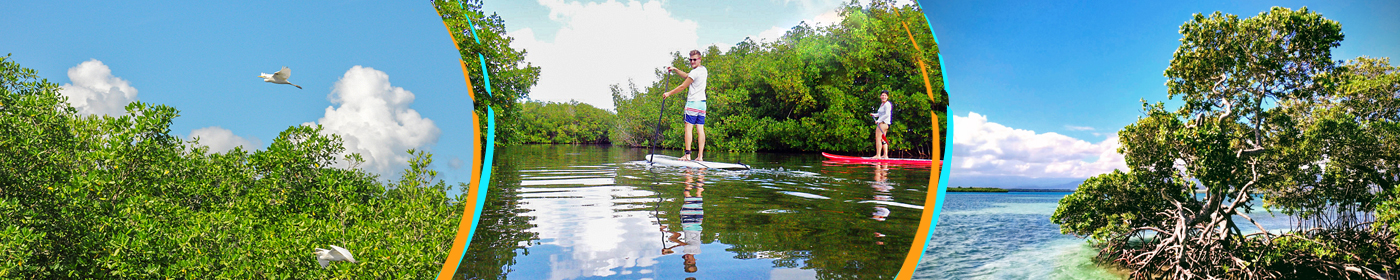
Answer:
(698, 77)
(885, 113)
(692, 242)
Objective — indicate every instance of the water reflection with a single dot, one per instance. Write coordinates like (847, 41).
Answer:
(882, 193)
(692, 214)
(594, 213)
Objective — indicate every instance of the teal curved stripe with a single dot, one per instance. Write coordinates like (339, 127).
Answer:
(947, 157)
(490, 155)
(485, 77)
(490, 151)
(473, 28)
(470, 25)
(485, 175)
(485, 181)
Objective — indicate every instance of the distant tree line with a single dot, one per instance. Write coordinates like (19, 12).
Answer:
(560, 123)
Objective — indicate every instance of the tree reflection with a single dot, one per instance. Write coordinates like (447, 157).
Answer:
(500, 231)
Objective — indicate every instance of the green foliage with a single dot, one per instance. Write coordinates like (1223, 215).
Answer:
(1225, 138)
(120, 197)
(511, 76)
(1267, 114)
(1110, 205)
(811, 90)
(1370, 94)
(638, 113)
(561, 123)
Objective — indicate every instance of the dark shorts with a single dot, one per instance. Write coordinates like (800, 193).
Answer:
(693, 119)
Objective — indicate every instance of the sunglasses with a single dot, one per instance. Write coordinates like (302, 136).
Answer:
(694, 59)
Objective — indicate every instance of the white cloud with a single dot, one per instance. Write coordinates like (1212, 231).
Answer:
(721, 45)
(983, 148)
(814, 3)
(220, 139)
(828, 5)
(1079, 128)
(770, 35)
(831, 17)
(375, 121)
(600, 44)
(95, 91)
(826, 19)
(455, 163)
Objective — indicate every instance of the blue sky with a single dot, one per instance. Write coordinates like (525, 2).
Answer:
(202, 58)
(584, 46)
(1050, 82)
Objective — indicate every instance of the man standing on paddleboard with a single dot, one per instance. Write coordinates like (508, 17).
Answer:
(882, 125)
(695, 103)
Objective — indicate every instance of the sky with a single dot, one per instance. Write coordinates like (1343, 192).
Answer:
(1039, 89)
(382, 74)
(583, 47)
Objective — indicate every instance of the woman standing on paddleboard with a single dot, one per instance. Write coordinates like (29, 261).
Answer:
(882, 125)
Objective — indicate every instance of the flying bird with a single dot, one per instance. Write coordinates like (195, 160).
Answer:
(279, 78)
(334, 254)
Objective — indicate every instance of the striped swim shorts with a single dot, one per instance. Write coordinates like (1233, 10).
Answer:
(695, 112)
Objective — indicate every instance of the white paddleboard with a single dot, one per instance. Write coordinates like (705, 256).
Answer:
(674, 161)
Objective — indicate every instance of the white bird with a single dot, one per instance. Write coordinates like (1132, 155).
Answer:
(279, 78)
(334, 254)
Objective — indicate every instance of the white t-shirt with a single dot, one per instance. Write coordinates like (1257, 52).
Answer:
(885, 112)
(692, 242)
(698, 77)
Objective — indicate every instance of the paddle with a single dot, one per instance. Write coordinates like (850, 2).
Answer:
(656, 137)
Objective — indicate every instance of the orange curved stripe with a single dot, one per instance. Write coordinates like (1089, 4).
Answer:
(459, 243)
(916, 249)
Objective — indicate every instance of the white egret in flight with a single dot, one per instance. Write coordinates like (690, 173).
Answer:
(279, 78)
(334, 254)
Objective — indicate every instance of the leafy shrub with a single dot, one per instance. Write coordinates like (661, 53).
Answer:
(121, 197)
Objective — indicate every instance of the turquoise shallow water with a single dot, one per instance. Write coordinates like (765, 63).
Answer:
(1010, 236)
(1005, 236)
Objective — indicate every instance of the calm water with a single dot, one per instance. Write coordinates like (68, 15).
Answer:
(1010, 236)
(595, 212)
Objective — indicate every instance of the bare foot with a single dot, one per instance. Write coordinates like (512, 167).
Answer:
(699, 159)
(685, 157)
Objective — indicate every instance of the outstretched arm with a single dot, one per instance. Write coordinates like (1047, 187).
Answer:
(684, 84)
(678, 71)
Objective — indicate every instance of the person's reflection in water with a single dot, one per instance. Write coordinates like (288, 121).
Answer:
(882, 193)
(882, 188)
(675, 237)
(692, 215)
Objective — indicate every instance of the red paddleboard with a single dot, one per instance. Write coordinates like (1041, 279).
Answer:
(914, 161)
